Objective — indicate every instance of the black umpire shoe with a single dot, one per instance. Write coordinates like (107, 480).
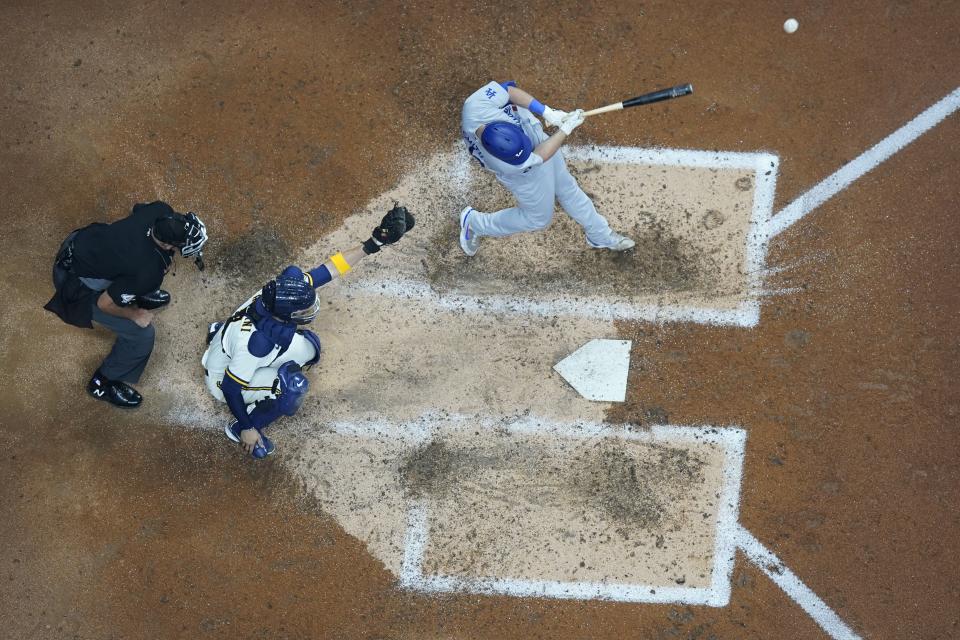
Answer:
(153, 300)
(113, 391)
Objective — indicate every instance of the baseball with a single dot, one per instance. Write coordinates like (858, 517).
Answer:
(790, 25)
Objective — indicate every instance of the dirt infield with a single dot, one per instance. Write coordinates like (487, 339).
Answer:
(287, 126)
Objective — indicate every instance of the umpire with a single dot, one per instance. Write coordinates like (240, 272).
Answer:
(111, 274)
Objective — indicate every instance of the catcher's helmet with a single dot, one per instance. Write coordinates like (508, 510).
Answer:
(186, 232)
(507, 142)
(291, 299)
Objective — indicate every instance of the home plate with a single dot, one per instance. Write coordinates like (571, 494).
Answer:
(598, 370)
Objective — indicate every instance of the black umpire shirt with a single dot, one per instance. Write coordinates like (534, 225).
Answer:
(125, 253)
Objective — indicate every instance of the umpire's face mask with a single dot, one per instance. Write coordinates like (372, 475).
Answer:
(196, 238)
(186, 232)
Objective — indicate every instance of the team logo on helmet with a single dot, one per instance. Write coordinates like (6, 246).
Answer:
(507, 142)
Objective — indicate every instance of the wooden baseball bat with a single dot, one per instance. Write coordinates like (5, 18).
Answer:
(647, 98)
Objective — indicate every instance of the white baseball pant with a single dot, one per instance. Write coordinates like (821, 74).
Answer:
(536, 193)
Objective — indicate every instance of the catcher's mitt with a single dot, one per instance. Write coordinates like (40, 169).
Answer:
(395, 223)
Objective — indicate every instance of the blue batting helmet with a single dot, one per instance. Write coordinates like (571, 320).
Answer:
(507, 142)
(291, 298)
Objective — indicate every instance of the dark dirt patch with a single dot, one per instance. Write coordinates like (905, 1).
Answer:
(557, 261)
(637, 491)
(255, 256)
(653, 415)
(435, 468)
(444, 257)
(636, 488)
(660, 262)
(428, 469)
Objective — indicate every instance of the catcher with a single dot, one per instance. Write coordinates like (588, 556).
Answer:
(255, 360)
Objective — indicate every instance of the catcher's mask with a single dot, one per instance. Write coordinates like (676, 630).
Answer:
(291, 299)
(185, 232)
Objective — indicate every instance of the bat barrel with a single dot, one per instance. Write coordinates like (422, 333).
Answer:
(647, 98)
(657, 96)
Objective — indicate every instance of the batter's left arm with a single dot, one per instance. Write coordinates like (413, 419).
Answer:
(523, 99)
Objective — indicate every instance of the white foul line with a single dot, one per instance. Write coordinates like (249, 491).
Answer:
(728, 515)
(793, 587)
(746, 314)
(843, 177)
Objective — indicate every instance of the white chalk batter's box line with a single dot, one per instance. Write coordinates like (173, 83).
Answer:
(746, 314)
(731, 439)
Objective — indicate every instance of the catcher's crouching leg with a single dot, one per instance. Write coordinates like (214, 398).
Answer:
(292, 389)
(314, 341)
(304, 349)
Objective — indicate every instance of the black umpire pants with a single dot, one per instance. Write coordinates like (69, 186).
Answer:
(131, 350)
(133, 346)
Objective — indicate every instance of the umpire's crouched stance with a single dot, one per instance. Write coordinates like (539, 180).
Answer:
(111, 274)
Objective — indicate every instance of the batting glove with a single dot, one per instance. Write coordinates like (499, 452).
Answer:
(553, 117)
(573, 120)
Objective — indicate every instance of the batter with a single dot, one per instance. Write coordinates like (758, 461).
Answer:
(501, 132)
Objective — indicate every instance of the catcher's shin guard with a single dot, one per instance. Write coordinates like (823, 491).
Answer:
(264, 414)
(293, 388)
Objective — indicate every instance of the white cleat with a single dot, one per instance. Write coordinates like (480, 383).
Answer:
(622, 243)
(617, 243)
(469, 241)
